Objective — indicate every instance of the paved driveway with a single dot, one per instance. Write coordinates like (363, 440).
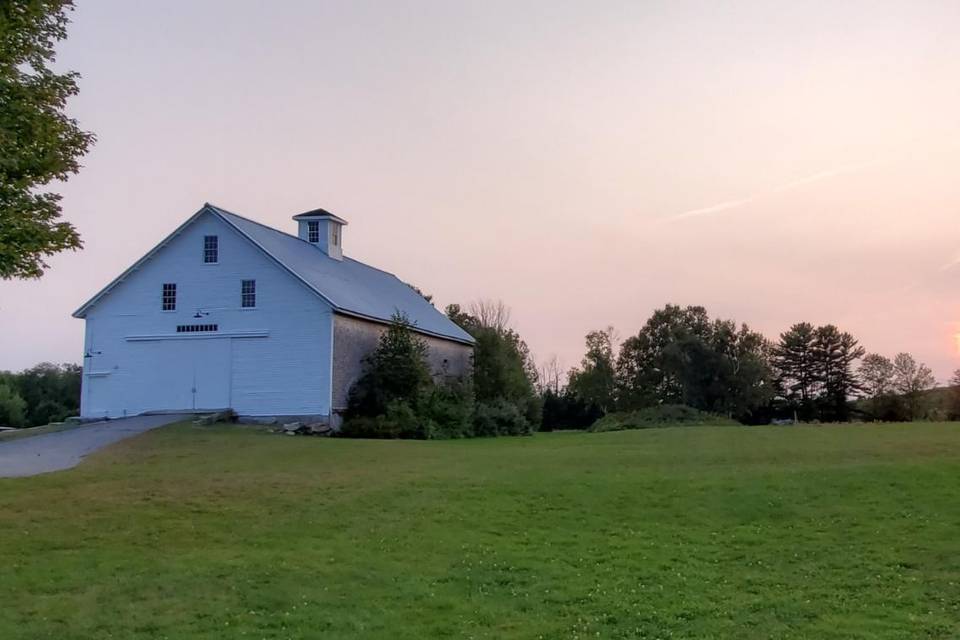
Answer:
(55, 451)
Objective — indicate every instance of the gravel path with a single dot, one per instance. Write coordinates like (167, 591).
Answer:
(55, 451)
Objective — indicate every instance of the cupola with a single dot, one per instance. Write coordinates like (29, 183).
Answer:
(323, 230)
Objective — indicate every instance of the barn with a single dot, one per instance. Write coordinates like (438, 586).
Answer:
(226, 312)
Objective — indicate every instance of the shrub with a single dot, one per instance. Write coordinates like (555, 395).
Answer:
(399, 421)
(500, 418)
(13, 408)
(566, 411)
(447, 408)
(667, 415)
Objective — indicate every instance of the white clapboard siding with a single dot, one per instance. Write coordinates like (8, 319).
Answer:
(274, 359)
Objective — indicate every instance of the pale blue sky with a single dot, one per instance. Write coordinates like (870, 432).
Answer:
(538, 152)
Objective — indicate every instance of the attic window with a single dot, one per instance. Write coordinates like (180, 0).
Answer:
(335, 234)
(168, 299)
(313, 231)
(211, 249)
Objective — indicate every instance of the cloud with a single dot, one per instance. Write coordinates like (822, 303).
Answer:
(789, 186)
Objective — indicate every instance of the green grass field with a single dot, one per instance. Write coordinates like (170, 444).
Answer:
(200, 532)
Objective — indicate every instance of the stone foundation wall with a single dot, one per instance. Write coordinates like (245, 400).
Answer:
(354, 338)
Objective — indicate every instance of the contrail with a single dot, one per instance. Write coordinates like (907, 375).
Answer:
(951, 264)
(789, 186)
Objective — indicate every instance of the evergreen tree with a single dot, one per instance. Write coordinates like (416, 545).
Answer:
(834, 354)
(395, 371)
(795, 363)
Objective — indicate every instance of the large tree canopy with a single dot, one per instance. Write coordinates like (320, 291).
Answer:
(38, 142)
(681, 356)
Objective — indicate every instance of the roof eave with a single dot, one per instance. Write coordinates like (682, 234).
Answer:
(320, 216)
(82, 311)
(469, 341)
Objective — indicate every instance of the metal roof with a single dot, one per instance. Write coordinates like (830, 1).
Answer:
(349, 286)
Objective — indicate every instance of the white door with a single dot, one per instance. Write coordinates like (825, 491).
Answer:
(211, 374)
(176, 375)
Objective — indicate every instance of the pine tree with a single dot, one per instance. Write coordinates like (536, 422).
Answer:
(834, 353)
(795, 362)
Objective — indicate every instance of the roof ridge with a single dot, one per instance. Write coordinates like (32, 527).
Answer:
(290, 235)
(252, 221)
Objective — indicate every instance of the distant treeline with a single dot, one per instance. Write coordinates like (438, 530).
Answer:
(681, 356)
(40, 395)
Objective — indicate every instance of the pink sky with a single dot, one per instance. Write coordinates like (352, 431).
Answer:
(584, 162)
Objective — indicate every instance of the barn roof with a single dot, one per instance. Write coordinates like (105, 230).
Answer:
(349, 286)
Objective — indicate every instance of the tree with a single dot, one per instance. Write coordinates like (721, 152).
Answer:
(651, 364)
(503, 369)
(595, 381)
(954, 402)
(680, 356)
(563, 410)
(794, 360)
(395, 371)
(815, 370)
(492, 314)
(834, 353)
(550, 374)
(38, 142)
(12, 406)
(876, 374)
(911, 380)
(745, 378)
(51, 391)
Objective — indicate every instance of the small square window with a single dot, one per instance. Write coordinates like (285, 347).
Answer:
(211, 249)
(248, 294)
(313, 231)
(169, 297)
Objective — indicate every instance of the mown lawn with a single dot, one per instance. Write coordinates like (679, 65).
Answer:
(773, 532)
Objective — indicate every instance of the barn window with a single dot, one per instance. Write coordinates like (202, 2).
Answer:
(313, 231)
(211, 249)
(248, 294)
(169, 297)
(197, 328)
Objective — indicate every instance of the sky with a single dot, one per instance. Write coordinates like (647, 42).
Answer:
(585, 162)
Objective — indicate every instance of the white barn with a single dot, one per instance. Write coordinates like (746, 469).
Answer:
(229, 313)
